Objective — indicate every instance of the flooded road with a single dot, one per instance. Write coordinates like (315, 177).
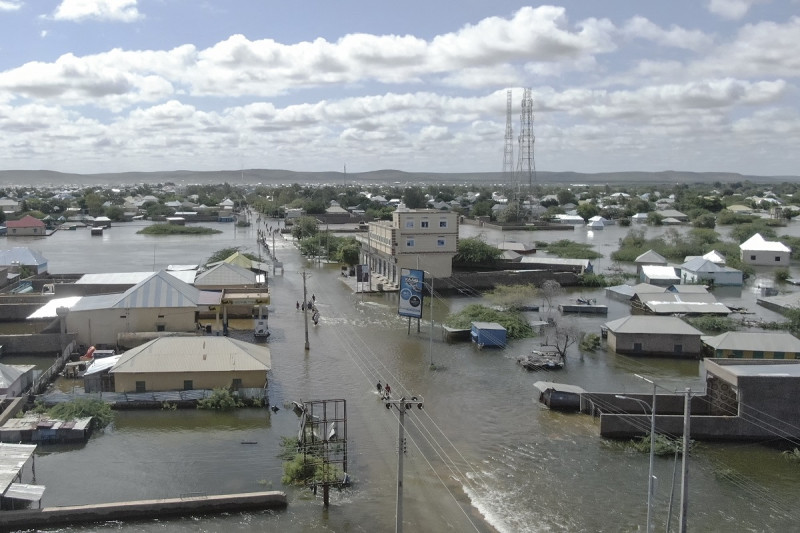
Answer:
(481, 456)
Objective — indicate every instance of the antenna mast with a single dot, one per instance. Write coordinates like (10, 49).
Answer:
(508, 150)
(526, 164)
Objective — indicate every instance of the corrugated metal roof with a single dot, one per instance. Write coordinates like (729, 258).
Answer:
(10, 373)
(651, 325)
(659, 272)
(12, 458)
(754, 341)
(48, 310)
(194, 354)
(159, 290)
(651, 256)
(225, 274)
(131, 278)
(21, 255)
(757, 243)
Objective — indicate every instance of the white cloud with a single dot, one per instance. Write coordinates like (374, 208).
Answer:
(10, 5)
(731, 9)
(113, 10)
(642, 28)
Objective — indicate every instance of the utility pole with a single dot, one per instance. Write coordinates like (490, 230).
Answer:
(687, 416)
(305, 307)
(430, 345)
(402, 405)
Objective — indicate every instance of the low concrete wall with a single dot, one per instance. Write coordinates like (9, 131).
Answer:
(142, 509)
(483, 281)
(35, 343)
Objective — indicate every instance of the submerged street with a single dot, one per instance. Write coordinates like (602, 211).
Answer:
(482, 455)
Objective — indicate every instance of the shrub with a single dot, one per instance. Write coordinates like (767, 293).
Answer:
(220, 399)
(781, 274)
(566, 248)
(590, 342)
(101, 412)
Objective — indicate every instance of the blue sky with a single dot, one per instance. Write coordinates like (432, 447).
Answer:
(146, 85)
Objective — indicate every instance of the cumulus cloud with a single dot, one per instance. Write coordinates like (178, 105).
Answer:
(10, 5)
(731, 9)
(642, 28)
(111, 10)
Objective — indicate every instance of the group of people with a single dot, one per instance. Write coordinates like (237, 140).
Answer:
(311, 306)
(384, 390)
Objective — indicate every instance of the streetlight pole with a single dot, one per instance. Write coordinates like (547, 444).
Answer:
(650, 477)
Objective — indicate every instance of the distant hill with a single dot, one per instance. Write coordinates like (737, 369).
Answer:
(40, 178)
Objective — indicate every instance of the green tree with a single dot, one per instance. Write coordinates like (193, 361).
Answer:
(414, 198)
(473, 250)
(587, 210)
(304, 227)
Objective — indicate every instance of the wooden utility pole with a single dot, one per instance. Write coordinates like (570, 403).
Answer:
(305, 307)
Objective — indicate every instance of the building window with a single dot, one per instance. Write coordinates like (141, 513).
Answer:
(779, 355)
(440, 243)
(409, 243)
(752, 258)
(237, 384)
(161, 327)
(778, 258)
(187, 384)
(140, 386)
(423, 224)
(758, 354)
(409, 223)
(637, 346)
(679, 348)
(442, 223)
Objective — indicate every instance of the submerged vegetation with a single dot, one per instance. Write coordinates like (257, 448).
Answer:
(173, 229)
(516, 325)
(567, 249)
(100, 411)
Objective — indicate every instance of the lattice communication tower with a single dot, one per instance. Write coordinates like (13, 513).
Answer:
(526, 166)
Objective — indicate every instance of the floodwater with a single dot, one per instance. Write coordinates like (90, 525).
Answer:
(482, 455)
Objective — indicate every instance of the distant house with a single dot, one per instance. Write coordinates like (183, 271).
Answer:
(684, 303)
(713, 256)
(650, 257)
(23, 256)
(699, 270)
(653, 335)
(673, 213)
(9, 205)
(758, 251)
(754, 345)
(663, 276)
(25, 227)
(191, 363)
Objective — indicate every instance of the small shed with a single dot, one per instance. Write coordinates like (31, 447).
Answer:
(488, 334)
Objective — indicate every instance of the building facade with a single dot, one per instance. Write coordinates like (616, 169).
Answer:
(423, 239)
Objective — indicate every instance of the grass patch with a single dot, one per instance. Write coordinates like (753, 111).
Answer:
(172, 229)
(716, 324)
(567, 249)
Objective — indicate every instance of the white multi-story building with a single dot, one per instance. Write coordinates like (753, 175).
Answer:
(424, 239)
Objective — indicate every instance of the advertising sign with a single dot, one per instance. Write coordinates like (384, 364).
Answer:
(411, 282)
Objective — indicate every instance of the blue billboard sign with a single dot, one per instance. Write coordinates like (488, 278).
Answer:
(411, 283)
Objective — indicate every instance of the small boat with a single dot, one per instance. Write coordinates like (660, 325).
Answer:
(541, 360)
